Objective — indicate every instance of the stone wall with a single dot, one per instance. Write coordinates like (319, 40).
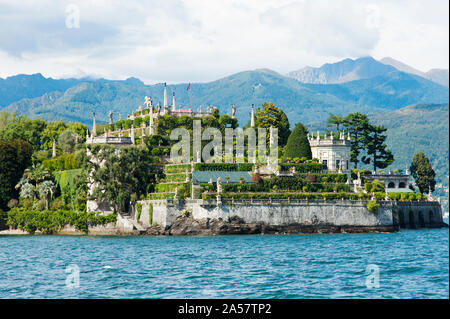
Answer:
(305, 213)
(419, 214)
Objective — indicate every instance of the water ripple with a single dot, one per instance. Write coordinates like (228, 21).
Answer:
(412, 264)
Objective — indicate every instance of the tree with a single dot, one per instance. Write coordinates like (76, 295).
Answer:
(270, 115)
(423, 173)
(51, 133)
(46, 189)
(68, 140)
(298, 144)
(336, 120)
(24, 129)
(120, 177)
(357, 124)
(14, 157)
(377, 154)
(34, 174)
(6, 118)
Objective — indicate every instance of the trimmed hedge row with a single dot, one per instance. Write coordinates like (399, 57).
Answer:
(233, 167)
(156, 196)
(176, 177)
(327, 178)
(276, 183)
(406, 196)
(302, 167)
(184, 189)
(177, 168)
(320, 196)
(52, 221)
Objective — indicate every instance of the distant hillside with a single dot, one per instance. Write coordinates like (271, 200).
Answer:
(391, 91)
(419, 128)
(439, 76)
(15, 88)
(301, 102)
(343, 71)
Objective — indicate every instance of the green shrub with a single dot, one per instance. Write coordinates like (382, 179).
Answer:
(150, 214)
(241, 167)
(177, 168)
(372, 206)
(61, 163)
(50, 221)
(302, 196)
(380, 195)
(302, 167)
(139, 211)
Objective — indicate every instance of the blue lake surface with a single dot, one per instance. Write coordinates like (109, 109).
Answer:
(411, 263)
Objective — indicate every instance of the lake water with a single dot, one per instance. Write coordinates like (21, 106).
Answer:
(411, 264)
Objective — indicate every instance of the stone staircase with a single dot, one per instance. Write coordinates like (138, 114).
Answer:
(127, 223)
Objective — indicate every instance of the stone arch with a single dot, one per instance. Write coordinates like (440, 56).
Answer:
(401, 219)
(430, 217)
(391, 185)
(412, 223)
(402, 185)
(421, 219)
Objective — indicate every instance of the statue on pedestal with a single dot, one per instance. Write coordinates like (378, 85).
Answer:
(219, 186)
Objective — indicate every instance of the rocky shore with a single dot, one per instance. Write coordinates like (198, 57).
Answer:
(186, 225)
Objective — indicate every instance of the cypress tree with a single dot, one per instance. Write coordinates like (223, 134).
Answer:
(298, 144)
(423, 173)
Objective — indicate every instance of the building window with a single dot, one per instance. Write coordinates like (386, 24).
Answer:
(402, 185)
(338, 162)
(325, 162)
(391, 185)
(346, 165)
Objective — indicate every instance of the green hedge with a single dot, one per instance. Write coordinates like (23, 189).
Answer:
(61, 163)
(233, 167)
(155, 196)
(302, 167)
(52, 221)
(177, 168)
(176, 177)
(316, 196)
(327, 178)
(406, 196)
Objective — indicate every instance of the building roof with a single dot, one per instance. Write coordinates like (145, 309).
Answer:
(206, 176)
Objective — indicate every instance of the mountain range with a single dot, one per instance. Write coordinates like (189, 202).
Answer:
(413, 105)
(372, 87)
(363, 68)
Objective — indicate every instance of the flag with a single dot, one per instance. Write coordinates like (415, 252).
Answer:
(188, 88)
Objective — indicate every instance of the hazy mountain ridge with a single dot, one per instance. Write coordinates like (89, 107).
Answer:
(17, 87)
(343, 71)
(440, 76)
(301, 102)
(363, 68)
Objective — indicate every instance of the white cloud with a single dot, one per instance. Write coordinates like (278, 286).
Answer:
(196, 40)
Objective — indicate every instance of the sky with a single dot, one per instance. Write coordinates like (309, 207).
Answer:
(198, 41)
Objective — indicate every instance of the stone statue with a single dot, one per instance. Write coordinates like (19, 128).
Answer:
(187, 176)
(111, 117)
(176, 192)
(148, 102)
(219, 186)
(233, 111)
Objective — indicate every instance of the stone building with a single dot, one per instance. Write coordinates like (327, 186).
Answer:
(332, 152)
